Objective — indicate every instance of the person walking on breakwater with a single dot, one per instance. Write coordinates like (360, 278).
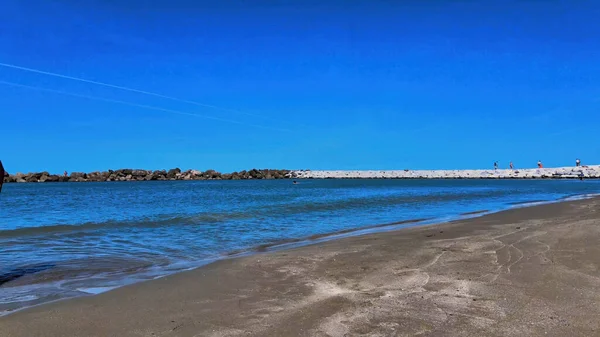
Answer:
(511, 165)
(495, 165)
(577, 162)
(540, 165)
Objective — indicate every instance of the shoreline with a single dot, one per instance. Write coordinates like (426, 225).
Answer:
(292, 243)
(315, 239)
(521, 212)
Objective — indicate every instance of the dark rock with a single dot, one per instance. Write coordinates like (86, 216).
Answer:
(78, 176)
(159, 173)
(140, 173)
(173, 173)
(255, 174)
(53, 178)
(211, 174)
(124, 172)
(98, 176)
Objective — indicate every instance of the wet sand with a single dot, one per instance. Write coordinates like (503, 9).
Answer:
(523, 272)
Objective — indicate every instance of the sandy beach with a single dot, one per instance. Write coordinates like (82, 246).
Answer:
(523, 272)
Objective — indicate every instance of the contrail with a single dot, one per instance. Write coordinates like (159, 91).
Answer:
(130, 90)
(178, 112)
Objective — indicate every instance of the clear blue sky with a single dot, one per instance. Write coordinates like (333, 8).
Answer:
(314, 84)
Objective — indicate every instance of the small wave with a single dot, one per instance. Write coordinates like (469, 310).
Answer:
(17, 273)
(279, 210)
(369, 201)
(537, 201)
(318, 237)
(17, 298)
(198, 219)
(580, 196)
(476, 212)
(573, 197)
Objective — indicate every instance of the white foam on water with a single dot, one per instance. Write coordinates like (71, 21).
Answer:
(571, 198)
(581, 197)
(95, 290)
(18, 298)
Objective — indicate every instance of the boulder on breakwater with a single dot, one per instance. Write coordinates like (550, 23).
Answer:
(144, 175)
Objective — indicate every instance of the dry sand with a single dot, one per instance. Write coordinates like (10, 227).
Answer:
(523, 272)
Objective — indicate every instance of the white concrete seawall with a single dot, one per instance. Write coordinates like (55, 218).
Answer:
(590, 171)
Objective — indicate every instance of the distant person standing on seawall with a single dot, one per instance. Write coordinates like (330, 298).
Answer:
(495, 165)
(577, 162)
(511, 165)
(540, 165)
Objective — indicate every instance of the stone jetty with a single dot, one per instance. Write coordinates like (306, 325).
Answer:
(543, 173)
(144, 175)
(587, 172)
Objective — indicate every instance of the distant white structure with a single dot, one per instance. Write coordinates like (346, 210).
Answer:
(538, 173)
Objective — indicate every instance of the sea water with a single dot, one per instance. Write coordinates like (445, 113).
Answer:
(70, 239)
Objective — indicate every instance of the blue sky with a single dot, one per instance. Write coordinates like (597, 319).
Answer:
(308, 84)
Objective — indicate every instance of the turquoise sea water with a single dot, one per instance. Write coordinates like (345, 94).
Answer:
(72, 239)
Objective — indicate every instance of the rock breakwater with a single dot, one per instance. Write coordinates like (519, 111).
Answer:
(586, 172)
(144, 175)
